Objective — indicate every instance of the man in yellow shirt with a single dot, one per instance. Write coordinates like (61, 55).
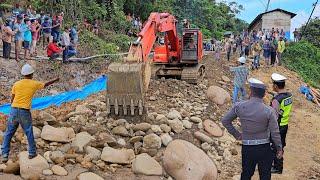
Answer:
(22, 94)
(281, 48)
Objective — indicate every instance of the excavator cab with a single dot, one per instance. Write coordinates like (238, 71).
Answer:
(192, 46)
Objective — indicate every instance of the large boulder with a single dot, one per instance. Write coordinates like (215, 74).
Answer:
(89, 176)
(152, 141)
(36, 132)
(183, 160)
(212, 128)
(145, 164)
(12, 168)
(218, 95)
(174, 114)
(117, 156)
(31, 168)
(120, 130)
(93, 153)
(44, 116)
(141, 127)
(203, 137)
(58, 170)
(81, 140)
(176, 125)
(63, 134)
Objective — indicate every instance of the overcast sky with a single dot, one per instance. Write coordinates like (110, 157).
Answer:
(302, 8)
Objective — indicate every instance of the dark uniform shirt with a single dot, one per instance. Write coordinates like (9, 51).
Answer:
(258, 121)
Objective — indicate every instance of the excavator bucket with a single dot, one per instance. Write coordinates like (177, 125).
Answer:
(126, 87)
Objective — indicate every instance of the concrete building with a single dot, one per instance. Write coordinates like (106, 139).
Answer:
(277, 18)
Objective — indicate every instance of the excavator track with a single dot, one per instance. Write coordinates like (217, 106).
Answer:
(193, 74)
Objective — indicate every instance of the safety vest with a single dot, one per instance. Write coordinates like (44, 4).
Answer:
(285, 101)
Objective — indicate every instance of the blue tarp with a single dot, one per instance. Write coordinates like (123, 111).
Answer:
(39, 103)
(307, 92)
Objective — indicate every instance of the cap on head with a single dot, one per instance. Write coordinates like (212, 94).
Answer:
(242, 59)
(255, 83)
(27, 69)
(278, 77)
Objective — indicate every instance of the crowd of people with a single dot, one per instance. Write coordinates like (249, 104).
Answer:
(28, 30)
(269, 44)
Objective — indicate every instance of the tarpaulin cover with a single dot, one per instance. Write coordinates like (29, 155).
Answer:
(307, 92)
(39, 103)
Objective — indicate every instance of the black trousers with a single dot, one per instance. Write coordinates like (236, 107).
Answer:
(278, 163)
(260, 155)
(273, 57)
(6, 50)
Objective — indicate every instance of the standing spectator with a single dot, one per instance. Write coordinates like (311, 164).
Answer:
(55, 30)
(228, 47)
(22, 94)
(74, 35)
(273, 51)
(66, 44)
(16, 10)
(266, 52)
(29, 11)
(281, 48)
(46, 30)
(217, 50)
(246, 44)
(95, 26)
(53, 50)
(35, 28)
(86, 24)
(18, 38)
(240, 76)
(60, 18)
(256, 49)
(27, 38)
(282, 33)
(295, 35)
(7, 35)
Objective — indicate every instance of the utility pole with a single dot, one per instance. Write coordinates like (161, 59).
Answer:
(305, 27)
(268, 5)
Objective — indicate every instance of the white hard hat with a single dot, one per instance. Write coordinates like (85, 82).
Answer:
(27, 69)
(242, 59)
(278, 77)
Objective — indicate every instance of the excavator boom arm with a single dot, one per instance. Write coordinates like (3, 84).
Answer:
(157, 22)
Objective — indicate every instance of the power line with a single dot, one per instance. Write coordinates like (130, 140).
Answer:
(262, 3)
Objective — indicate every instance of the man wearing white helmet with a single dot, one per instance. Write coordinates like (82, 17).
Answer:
(240, 76)
(22, 93)
(258, 121)
(282, 104)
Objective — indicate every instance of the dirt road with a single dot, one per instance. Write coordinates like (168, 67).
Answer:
(302, 153)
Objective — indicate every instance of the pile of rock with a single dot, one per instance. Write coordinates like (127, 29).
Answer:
(91, 140)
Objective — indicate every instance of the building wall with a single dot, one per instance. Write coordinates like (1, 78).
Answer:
(275, 20)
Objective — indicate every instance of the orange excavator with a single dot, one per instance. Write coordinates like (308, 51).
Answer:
(179, 58)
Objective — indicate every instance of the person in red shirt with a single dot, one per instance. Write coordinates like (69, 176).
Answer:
(53, 50)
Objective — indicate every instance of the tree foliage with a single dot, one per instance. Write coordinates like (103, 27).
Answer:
(311, 33)
(304, 58)
(212, 17)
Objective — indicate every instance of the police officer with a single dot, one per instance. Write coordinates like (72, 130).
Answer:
(282, 104)
(258, 121)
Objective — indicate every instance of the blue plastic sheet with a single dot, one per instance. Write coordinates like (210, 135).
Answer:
(307, 92)
(39, 103)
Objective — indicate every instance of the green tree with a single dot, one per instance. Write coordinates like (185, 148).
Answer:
(311, 33)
